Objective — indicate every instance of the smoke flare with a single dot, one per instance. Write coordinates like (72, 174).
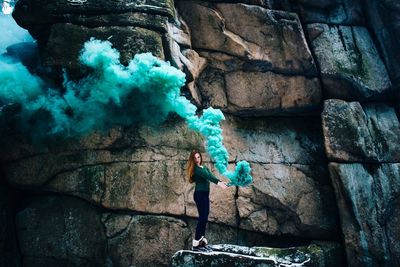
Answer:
(113, 94)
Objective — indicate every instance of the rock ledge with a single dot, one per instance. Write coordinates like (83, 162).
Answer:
(315, 254)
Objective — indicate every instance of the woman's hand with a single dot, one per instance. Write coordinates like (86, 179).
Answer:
(222, 185)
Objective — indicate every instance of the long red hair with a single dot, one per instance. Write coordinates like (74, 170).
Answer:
(191, 163)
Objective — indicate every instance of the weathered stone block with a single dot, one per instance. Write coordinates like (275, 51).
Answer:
(351, 68)
(355, 133)
(252, 33)
(368, 199)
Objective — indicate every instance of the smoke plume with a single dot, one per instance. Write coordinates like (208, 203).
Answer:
(146, 90)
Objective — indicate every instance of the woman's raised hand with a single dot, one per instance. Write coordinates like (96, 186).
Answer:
(222, 185)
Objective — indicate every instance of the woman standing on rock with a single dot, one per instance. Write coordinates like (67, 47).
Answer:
(202, 176)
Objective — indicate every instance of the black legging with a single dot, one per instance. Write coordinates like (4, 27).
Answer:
(203, 207)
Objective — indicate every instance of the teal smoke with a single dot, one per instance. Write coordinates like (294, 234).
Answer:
(113, 94)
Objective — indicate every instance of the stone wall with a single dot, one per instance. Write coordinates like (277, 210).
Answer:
(308, 91)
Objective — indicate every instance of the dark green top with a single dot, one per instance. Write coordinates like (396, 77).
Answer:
(203, 177)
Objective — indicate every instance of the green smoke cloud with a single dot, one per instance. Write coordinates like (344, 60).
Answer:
(114, 94)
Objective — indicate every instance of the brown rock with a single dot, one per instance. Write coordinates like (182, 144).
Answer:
(154, 187)
(295, 199)
(272, 38)
(35, 165)
(269, 93)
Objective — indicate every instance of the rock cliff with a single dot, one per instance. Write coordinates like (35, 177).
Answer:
(310, 90)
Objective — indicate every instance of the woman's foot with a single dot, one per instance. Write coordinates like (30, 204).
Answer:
(201, 245)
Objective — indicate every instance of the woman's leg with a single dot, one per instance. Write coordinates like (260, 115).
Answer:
(203, 207)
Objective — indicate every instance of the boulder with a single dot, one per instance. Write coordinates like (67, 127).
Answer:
(315, 254)
(144, 240)
(356, 133)
(351, 68)
(60, 231)
(369, 207)
(383, 18)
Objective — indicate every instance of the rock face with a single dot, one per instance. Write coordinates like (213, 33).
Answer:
(367, 192)
(339, 12)
(121, 197)
(368, 133)
(368, 199)
(153, 179)
(383, 18)
(65, 231)
(60, 230)
(316, 254)
(247, 66)
(61, 27)
(350, 65)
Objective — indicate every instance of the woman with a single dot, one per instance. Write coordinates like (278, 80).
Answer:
(202, 176)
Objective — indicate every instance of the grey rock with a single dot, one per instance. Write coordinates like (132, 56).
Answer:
(316, 254)
(145, 240)
(348, 12)
(275, 141)
(60, 231)
(368, 200)
(355, 133)
(351, 68)
(383, 18)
